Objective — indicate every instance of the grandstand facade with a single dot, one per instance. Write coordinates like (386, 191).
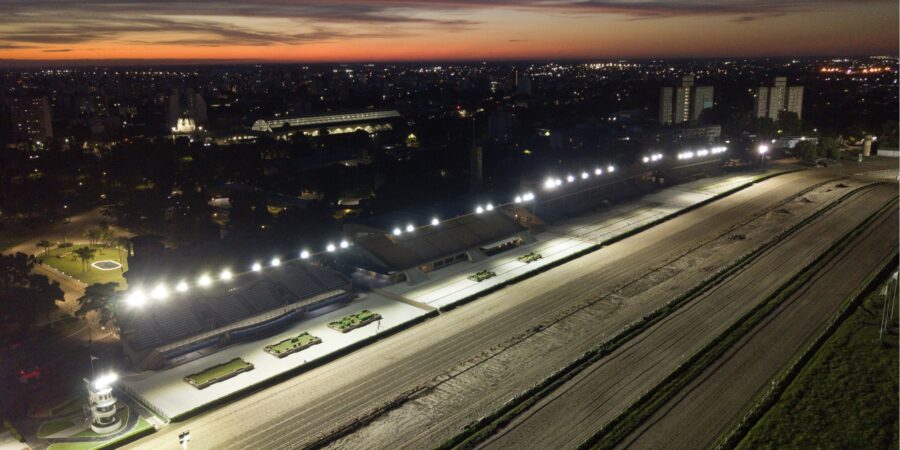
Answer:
(350, 122)
(253, 305)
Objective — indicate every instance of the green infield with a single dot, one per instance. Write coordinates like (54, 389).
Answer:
(218, 373)
(89, 271)
(845, 397)
(292, 345)
(354, 321)
(55, 426)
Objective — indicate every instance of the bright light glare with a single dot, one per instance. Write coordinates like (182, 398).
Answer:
(225, 275)
(528, 197)
(137, 298)
(584, 175)
(549, 183)
(330, 247)
(570, 178)
(304, 254)
(518, 199)
(160, 292)
(105, 380)
(345, 244)
(410, 228)
(489, 207)
(276, 262)
(479, 210)
(763, 149)
(435, 221)
(598, 171)
(610, 169)
(256, 267)
(182, 286)
(397, 231)
(204, 280)
(558, 182)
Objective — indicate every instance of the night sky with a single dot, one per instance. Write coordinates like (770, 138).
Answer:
(396, 30)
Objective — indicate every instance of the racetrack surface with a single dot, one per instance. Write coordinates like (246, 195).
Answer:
(313, 405)
(717, 399)
(583, 405)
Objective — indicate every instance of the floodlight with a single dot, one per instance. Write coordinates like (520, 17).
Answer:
(397, 231)
(345, 244)
(160, 292)
(518, 199)
(598, 171)
(304, 254)
(549, 183)
(410, 228)
(204, 280)
(646, 159)
(276, 261)
(584, 175)
(610, 169)
(182, 286)
(489, 207)
(479, 210)
(558, 182)
(105, 380)
(435, 221)
(763, 149)
(330, 247)
(570, 178)
(225, 275)
(528, 197)
(137, 298)
(257, 267)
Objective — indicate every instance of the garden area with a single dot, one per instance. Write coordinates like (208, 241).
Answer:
(218, 373)
(292, 345)
(483, 275)
(530, 257)
(354, 321)
(97, 264)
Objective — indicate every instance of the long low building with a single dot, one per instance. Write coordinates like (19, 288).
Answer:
(408, 255)
(168, 332)
(368, 121)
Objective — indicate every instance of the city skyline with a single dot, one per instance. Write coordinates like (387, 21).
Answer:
(398, 30)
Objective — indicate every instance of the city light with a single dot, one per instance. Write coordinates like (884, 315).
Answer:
(106, 380)
(304, 254)
(204, 280)
(410, 228)
(435, 221)
(397, 231)
(345, 244)
(276, 261)
(330, 247)
(225, 275)
(182, 286)
(136, 298)
(257, 267)
(160, 292)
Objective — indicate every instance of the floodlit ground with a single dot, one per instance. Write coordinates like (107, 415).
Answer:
(65, 261)
(171, 395)
(721, 394)
(315, 404)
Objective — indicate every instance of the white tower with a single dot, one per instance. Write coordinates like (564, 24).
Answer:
(103, 404)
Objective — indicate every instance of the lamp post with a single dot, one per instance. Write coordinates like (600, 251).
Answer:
(762, 150)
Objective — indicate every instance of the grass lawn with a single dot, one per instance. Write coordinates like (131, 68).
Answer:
(64, 260)
(140, 427)
(54, 426)
(354, 320)
(845, 397)
(291, 345)
(218, 373)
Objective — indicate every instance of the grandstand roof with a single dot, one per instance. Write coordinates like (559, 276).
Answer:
(246, 296)
(324, 119)
(429, 243)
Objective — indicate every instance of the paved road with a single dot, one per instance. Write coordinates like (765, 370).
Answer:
(720, 395)
(299, 410)
(582, 406)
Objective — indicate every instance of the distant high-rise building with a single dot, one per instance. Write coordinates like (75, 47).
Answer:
(30, 117)
(190, 106)
(771, 100)
(683, 103)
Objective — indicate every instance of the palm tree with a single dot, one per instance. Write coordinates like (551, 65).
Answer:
(44, 244)
(93, 234)
(99, 297)
(85, 254)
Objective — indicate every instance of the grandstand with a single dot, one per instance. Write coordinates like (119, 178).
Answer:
(169, 332)
(368, 121)
(409, 256)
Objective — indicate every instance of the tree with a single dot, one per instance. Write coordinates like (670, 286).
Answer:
(789, 122)
(86, 254)
(45, 244)
(806, 150)
(93, 234)
(828, 146)
(99, 297)
(25, 296)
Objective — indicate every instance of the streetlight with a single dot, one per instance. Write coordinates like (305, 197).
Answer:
(257, 267)
(549, 183)
(435, 221)
(570, 178)
(489, 207)
(584, 175)
(225, 275)
(137, 298)
(762, 150)
(204, 280)
(479, 209)
(410, 228)
(397, 231)
(182, 286)
(330, 247)
(159, 292)
(610, 168)
(276, 261)
(304, 254)
(345, 244)
(598, 171)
